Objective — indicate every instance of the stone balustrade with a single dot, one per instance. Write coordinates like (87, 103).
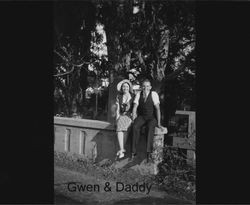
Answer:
(96, 140)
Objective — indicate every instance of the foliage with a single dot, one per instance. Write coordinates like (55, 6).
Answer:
(176, 176)
(156, 42)
(146, 34)
(74, 27)
(105, 170)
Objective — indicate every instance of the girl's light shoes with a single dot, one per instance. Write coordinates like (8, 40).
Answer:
(120, 154)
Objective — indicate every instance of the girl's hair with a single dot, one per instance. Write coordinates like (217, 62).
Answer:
(130, 88)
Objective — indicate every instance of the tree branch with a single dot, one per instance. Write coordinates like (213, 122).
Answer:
(66, 73)
(65, 50)
(71, 63)
(187, 43)
(65, 59)
(73, 68)
(80, 65)
(179, 70)
(176, 72)
(131, 73)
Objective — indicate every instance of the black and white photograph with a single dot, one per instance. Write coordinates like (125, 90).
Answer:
(101, 101)
(124, 76)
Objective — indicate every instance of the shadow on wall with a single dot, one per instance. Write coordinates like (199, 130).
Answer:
(92, 139)
(106, 146)
(141, 149)
(106, 142)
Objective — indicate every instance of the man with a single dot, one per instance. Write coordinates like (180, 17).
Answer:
(147, 106)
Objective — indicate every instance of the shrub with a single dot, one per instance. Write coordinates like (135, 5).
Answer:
(176, 176)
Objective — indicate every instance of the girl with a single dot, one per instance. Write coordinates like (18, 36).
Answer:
(124, 102)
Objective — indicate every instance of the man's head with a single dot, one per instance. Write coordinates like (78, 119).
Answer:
(146, 86)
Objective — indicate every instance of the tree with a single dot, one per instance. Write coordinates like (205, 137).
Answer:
(145, 39)
(157, 42)
(73, 25)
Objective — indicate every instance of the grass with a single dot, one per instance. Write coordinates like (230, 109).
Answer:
(175, 177)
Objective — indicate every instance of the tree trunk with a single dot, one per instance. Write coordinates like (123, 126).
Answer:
(162, 53)
(112, 41)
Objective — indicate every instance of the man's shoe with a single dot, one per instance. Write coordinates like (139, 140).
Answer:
(133, 156)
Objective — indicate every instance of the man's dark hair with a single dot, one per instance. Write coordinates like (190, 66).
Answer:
(146, 80)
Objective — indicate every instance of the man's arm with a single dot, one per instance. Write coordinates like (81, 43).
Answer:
(135, 105)
(156, 101)
(158, 115)
(134, 112)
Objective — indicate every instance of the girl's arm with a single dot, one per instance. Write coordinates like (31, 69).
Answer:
(117, 108)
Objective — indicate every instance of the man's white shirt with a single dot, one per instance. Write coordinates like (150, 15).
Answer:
(155, 97)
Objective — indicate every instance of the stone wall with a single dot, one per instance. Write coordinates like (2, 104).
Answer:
(90, 138)
(96, 140)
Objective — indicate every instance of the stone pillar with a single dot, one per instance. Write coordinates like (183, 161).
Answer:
(191, 137)
(158, 148)
(158, 144)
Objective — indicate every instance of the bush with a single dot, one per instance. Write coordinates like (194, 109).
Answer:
(103, 170)
(175, 175)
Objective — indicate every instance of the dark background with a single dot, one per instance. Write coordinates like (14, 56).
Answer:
(26, 102)
(222, 114)
(26, 43)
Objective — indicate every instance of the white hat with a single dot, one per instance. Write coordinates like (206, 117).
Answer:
(119, 85)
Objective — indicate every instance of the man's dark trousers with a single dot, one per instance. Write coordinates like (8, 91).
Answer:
(150, 128)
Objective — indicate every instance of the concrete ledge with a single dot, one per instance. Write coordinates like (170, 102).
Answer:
(97, 140)
(95, 124)
(83, 123)
(161, 131)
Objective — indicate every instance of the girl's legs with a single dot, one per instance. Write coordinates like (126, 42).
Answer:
(125, 134)
(122, 137)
